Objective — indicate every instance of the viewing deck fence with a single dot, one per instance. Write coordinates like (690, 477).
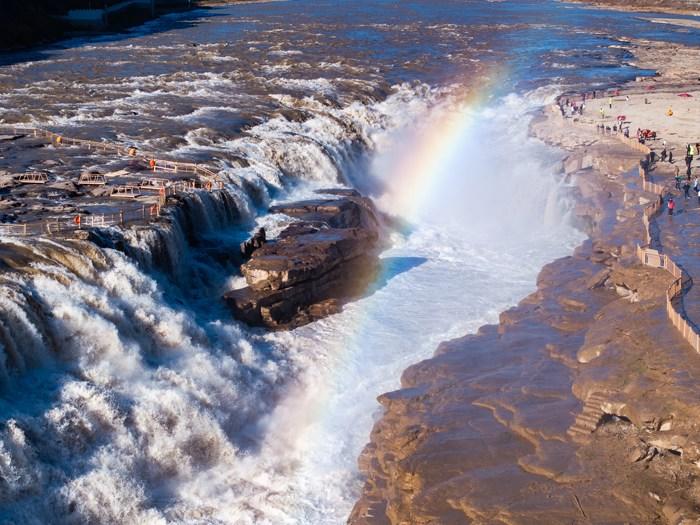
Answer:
(208, 180)
(649, 256)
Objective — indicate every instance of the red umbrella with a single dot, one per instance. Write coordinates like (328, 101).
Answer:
(621, 118)
(686, 95)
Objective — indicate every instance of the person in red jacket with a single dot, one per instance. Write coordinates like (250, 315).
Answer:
(671, 206)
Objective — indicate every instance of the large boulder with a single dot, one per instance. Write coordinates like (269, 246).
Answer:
(326, 258)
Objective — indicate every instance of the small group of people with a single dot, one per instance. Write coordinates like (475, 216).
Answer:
(686, 185)
(572, 108)
(686, 190)
(691, 151)
(645, 134)
(671, 205)
(615, 128)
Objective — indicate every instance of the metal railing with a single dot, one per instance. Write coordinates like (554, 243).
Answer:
(56, 226)
(121, 216)
(656, 259)
(117, 149)
(647, 255)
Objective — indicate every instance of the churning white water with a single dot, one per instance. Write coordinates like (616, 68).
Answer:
(475, 249)
(158, 410)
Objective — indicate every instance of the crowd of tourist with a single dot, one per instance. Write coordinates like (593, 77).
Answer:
(576, 105)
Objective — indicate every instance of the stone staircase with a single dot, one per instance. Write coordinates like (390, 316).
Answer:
(587, 420)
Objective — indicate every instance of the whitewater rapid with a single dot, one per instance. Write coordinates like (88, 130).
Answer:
(462, 262)
(129, 394)
(143, 402)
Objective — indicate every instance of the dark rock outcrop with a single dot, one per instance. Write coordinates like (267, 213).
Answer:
(326, 258)
(252, 244)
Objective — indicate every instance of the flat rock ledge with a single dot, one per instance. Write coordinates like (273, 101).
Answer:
(326, 258)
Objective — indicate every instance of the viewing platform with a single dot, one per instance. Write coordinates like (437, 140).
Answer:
(50, 183)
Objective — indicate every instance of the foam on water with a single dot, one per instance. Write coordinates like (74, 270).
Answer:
(130, 395)
(443, 279)
(177, 414)
(134, 399)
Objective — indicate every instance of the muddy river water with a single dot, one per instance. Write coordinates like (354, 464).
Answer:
(129, 395)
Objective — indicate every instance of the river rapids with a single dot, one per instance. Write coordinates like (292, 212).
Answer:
(129, 394)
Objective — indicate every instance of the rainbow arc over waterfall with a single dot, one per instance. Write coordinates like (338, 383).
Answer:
(424, 167)
(432, 152)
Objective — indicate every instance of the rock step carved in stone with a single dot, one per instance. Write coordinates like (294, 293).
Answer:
(587, 421)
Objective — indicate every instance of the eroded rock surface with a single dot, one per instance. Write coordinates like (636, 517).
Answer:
(580, 406)
(316, 264)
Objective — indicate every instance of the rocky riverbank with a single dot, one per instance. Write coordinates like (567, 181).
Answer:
(580, 406)
(323, 259)
(688, 7)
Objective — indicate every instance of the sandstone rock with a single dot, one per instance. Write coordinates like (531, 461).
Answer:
(623, 291)
(256, 241)
(295, 259)
(666, 425)
(573, 304)
(589, 353)
(599, 279)
(314, 266)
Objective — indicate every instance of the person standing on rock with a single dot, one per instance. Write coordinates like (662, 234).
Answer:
(678, 180)
(610, 102)
(671, 206)
(686, 189)
(664, 154)
(670, 157)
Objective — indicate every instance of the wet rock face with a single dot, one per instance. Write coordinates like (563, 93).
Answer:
(315, 265)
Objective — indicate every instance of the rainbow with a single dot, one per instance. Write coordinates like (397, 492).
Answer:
(432, 152)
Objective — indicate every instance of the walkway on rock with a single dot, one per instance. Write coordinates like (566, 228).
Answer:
(671, 248)
(679, 235)
(146, 194)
